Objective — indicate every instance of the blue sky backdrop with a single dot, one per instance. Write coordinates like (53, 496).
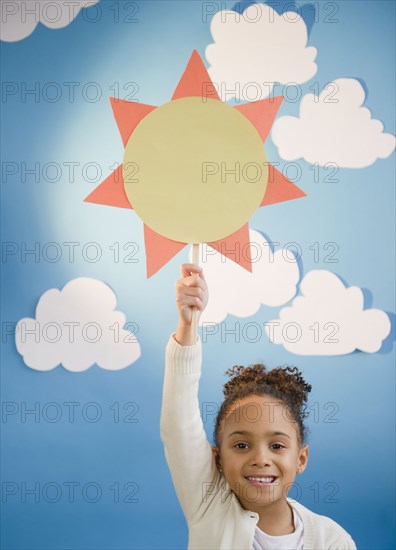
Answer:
(123, 494)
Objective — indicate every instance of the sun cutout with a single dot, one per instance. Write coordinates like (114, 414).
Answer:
(195, 169)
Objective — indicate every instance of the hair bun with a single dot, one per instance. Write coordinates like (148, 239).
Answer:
(243, 376)
(288, 380)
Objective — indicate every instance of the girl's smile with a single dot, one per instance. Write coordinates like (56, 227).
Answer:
(262, 481)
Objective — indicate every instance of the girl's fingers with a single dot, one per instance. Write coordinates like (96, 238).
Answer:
(192, 301)
(191, 282)
(188, 269)
(191, 291)
(191, 288)
(184, 292)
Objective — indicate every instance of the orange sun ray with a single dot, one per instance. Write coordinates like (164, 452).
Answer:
(279, 188)
(111, 191)
(236, 247)
(128, 114)
(195, 82)
(159, 250)
(261, 114)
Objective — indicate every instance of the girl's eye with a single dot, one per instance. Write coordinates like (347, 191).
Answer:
(278, 446)
(237, 445)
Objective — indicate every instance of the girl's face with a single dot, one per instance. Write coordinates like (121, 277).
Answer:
(260, 453)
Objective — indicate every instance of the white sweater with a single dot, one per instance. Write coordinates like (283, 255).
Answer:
(215, 518)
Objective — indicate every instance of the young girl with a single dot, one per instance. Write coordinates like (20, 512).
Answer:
(234, 494)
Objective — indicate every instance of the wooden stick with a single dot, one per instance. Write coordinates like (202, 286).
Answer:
(195, 311)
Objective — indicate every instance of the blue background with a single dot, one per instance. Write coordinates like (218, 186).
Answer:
(351, 460)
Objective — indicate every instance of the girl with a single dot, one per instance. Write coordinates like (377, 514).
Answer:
(234, 493)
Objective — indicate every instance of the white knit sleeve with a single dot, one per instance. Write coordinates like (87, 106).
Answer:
(188, 452)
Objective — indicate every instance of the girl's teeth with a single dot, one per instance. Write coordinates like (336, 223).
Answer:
(262, 479)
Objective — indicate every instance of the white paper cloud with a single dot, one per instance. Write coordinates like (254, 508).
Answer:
(234, 290)
(333, 128)
(254, 50)
(19, 18)
(77, 327)
(328, 319)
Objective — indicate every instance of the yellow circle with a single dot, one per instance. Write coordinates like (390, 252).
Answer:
(195, 170)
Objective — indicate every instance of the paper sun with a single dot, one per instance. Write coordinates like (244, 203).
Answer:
(195, 169)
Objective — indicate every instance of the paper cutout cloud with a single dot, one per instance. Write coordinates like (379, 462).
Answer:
(307, 11)
(21, 17)
(77, 327)
(236, 291)
(328, 319)
(333, 127)
(255, 49)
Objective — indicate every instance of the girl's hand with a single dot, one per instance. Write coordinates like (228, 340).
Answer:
(191, 292)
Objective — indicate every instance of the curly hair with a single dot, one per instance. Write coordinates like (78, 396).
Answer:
(285, 384)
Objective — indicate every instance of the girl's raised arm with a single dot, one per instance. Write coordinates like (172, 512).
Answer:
(187, 450)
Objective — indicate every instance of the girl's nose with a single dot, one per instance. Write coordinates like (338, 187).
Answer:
(261, 457)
